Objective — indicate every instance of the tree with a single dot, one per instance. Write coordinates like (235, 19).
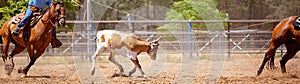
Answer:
(196, 10)
(14, 7)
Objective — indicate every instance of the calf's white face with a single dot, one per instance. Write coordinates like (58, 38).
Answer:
(152, 52)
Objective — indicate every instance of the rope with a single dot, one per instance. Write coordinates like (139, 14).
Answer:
(119, 10)
(255, 24)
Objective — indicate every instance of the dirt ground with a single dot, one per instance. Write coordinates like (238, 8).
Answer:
(235, 70)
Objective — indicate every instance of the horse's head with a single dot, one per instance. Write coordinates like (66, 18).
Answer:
(60, 10)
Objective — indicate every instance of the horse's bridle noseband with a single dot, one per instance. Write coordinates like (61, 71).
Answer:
(57, 12)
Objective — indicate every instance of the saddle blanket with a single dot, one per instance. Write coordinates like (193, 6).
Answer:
(17, 19)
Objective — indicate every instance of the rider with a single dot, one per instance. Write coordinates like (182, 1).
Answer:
(33, 6)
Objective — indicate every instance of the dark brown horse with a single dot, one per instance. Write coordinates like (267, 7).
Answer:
(283, 33)
(39, 38)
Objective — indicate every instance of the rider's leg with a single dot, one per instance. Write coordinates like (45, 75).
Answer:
(26, 18)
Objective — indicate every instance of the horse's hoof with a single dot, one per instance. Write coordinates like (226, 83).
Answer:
(258, 74)
(23, 75)
(20, 70)
(8, 73)
(8, 68)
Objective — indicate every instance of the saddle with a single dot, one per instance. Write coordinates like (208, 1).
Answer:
(17, 19)
(36, 16)
(296, 23)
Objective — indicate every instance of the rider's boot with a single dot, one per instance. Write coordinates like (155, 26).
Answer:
(17, 31)
(55, 43)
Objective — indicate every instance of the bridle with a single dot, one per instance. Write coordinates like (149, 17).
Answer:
(57, 13)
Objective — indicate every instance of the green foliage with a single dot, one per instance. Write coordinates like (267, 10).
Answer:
(70, 4)
(14, 7)
(191, 10)
(198, 10)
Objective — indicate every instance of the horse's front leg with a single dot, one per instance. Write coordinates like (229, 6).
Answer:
(33, 57)
(24, 70)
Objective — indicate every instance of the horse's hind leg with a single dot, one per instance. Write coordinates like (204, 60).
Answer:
(270, 53)
(6, 42)
(8, 63)
(291, 51)
(15, 51)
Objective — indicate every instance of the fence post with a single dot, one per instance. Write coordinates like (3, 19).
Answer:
(228, 38)
(130, 24)
(190, 38)
(91, 37)
(88, 26)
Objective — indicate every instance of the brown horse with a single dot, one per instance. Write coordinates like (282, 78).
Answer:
(39, 38)
(283, 33)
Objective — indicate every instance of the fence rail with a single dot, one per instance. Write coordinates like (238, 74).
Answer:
(237, 41)
(173, 21)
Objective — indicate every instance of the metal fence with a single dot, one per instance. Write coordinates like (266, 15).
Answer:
(246, 40)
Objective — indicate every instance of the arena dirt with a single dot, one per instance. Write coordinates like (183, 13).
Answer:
(235, 70)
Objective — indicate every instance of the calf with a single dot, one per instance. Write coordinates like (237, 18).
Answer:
(124, 44)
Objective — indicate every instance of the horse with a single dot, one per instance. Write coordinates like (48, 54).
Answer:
(283, 33)
(39, 38)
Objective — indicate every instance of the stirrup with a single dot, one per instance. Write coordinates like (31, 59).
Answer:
(17, 31)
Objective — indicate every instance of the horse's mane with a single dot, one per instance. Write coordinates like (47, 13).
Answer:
(58, 2)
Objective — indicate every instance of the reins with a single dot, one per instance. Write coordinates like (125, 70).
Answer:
(50, 16)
